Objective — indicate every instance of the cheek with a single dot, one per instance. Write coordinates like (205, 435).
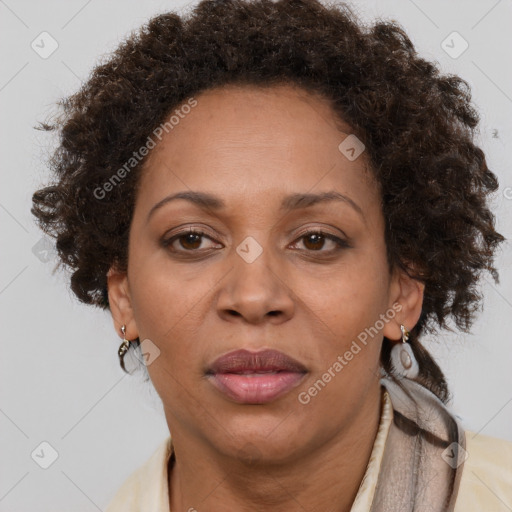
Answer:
(168, 311)
(348, 309)
(349, 297)
(165, 296)
(346, 351)
(171, 303)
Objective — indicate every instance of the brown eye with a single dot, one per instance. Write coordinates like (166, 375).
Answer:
(188, 241)
(315, 241)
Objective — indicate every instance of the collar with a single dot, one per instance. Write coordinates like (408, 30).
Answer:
(366, 491)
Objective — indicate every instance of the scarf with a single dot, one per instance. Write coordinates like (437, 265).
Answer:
(424, 453)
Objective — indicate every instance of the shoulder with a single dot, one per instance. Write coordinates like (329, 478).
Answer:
(486, 480)
(146, 488)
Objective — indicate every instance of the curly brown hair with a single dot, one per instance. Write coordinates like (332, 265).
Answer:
(416, 123)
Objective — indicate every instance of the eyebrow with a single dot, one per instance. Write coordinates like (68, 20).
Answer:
(292, 202)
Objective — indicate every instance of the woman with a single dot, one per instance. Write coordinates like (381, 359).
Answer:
(276, 203)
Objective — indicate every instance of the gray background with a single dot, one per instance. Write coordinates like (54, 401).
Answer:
(60, 379)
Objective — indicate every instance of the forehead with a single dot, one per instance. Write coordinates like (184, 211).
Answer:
(251, 141)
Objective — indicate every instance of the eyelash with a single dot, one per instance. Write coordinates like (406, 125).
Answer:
(340, 243)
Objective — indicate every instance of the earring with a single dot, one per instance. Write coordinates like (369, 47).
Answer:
(123, 348)
(402, 358)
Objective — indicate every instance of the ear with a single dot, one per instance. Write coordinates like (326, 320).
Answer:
(120, 303)
(406, 298)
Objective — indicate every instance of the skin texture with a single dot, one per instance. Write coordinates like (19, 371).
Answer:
(418, 125)
(252, 147)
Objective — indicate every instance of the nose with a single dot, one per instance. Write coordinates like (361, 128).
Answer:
(256, 292)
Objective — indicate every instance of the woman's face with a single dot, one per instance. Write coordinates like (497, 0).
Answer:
(256, 280)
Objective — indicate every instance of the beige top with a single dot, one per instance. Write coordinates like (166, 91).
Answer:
(485, 485)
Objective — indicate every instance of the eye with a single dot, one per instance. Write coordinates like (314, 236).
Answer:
(189, 241)
(192, 240)
(315, 240)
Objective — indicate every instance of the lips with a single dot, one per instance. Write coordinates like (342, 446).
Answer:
(255, 377)
(266, 361)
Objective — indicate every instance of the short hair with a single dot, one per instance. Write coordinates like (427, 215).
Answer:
(416, 123)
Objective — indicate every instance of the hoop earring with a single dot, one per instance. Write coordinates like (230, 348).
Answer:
(123, 348)
(402, 358)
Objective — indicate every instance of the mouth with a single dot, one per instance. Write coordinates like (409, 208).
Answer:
(255, 377)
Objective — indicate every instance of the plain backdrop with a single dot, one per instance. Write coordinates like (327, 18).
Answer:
(60, 379)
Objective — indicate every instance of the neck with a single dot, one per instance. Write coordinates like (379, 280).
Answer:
(326, 478)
